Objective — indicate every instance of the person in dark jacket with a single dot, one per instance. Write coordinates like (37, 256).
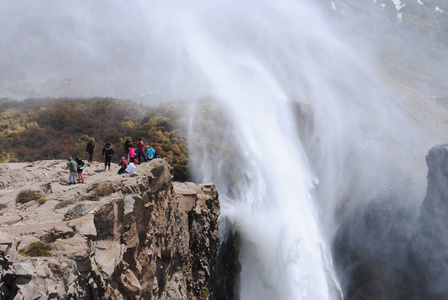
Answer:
(128, 144)
(89, 149)
(107, 152)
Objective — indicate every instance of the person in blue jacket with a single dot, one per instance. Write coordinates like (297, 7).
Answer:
(150, 153)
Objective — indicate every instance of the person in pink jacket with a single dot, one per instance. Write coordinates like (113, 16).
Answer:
(131, 154)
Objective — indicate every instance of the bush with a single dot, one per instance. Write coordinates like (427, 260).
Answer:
(100, 191)
(27, 196)
(41, 201)
(37, 249)
(54, 235)
(64, 204)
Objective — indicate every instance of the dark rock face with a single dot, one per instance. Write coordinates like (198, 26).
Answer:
(426, 272)
(226, 273)
(385, 251)
(370, 248)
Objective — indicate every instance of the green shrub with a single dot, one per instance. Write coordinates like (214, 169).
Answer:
(27, 196)
(41, 201)
(37, 249)
(99, 191)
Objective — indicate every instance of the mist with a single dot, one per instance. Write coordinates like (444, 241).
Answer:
(289, 197)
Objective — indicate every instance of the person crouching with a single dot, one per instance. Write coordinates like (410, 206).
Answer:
(123, 165)
(131, 167)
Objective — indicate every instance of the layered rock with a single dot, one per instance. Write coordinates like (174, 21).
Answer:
(132, 236)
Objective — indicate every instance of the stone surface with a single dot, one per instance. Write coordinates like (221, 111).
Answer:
(149, 238)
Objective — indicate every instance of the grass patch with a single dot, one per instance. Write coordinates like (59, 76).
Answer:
(54, 235)
(41, 201)
(64, 204)
(99, 191)
(37, 249)
(27, 196)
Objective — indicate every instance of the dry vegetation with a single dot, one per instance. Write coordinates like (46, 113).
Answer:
(38, 129)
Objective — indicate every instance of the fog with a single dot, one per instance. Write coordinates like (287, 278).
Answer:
(368, 133)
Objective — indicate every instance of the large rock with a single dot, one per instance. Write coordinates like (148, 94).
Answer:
(118, 237)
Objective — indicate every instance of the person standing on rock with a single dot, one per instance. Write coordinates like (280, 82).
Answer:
(89, 149)
(140, 151)
(73, 167)
(128, 144)
(131, 154)
(80, 169)
(107, 152)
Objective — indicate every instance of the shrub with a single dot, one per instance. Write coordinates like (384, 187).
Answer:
(54, 235)
(27, 196)
(41, 201)
(37, 249)
(64, 204)
(99, 191)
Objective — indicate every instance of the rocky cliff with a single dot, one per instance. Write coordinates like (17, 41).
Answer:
(426, 270)
(393, 249)
(132, 236)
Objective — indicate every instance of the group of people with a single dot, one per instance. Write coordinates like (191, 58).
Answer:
(127, 163)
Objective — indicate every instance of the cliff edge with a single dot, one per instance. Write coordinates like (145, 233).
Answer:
(132, 236)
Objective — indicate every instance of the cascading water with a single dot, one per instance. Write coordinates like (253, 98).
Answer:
(256, 59)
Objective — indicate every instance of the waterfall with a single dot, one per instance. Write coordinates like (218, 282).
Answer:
(257, 59)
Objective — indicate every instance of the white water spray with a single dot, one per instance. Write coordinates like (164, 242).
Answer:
(256, 59)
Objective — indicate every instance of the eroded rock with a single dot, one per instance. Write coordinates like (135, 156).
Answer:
(147, 238)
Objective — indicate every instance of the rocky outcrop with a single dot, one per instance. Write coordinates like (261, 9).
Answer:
(132, 236)
(383, 251)
(426, 271)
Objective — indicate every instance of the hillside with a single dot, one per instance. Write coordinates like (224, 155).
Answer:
(408, 38)
(37, 129)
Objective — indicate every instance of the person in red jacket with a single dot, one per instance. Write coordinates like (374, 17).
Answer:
(140, 150)
(123, 165)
